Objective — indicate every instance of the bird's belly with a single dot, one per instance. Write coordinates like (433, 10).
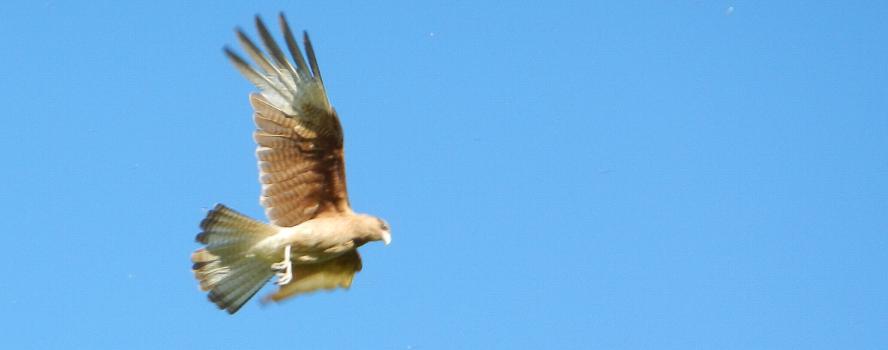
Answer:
(306, 246)
(313, 257)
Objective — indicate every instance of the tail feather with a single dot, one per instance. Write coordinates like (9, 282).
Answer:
(246, 279)
(224, 267)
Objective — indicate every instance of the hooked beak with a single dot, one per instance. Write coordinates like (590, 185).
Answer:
(386, 238)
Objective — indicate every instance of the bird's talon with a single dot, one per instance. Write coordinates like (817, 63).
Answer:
(283, 269)
(284, 279)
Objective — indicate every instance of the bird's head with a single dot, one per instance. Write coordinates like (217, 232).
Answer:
(374, 229)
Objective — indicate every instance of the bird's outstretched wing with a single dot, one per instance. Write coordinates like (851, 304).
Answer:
(332, 274)
(299, 137)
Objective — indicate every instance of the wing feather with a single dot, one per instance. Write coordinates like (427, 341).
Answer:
(301, 176)
(273, 49)
(336, 273)
(272, 73)
(292, 46)
(312, 60)
(299, 137)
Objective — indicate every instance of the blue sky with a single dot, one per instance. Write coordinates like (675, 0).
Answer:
(557, 175)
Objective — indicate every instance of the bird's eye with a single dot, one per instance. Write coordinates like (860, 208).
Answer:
(382, 225)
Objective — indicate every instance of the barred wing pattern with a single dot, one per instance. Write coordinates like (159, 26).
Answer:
(299, 137)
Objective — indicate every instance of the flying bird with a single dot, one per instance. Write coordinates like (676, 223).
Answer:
(312, 239)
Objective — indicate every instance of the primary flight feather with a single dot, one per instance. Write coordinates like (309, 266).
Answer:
(312, 239)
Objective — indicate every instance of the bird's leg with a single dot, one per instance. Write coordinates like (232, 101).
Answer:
(284, 269)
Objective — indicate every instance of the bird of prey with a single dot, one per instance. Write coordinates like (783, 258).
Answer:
(312, 239)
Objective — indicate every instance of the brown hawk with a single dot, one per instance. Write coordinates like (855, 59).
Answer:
(312, 239)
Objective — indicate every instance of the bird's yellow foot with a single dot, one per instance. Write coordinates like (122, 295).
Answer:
(284, 269)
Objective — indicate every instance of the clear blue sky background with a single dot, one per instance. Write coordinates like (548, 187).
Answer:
(629, 175)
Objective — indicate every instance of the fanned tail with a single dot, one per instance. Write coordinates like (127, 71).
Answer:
(224, 266)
